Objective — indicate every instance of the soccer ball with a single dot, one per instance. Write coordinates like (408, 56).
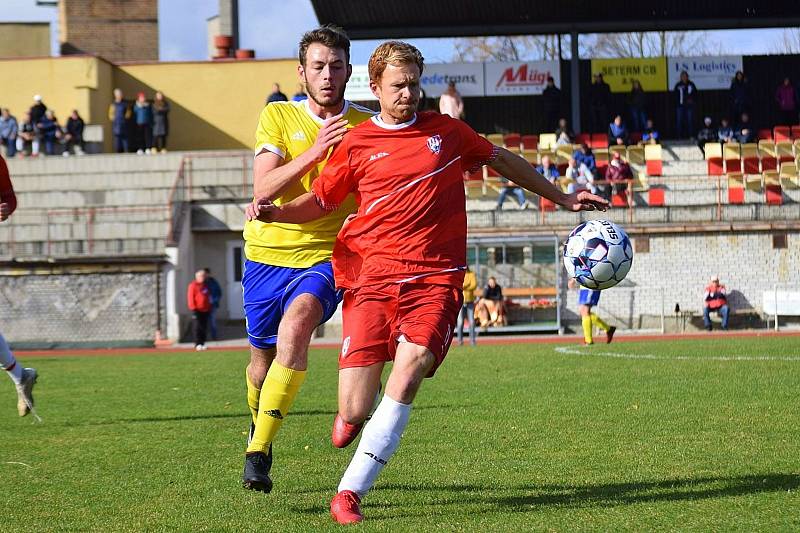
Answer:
(598, 254)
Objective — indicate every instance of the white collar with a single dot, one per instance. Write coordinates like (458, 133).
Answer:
(376, 119)
(316, 117)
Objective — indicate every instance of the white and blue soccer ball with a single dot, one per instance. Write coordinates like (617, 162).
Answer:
(598, 254)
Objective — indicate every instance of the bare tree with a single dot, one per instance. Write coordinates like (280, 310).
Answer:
(522, 48)
(651, 44)
(788, 42)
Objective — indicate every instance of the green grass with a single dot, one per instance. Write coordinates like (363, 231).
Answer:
(504, 438)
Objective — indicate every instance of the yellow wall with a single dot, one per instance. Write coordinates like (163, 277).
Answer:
(29, 39)
(215, 104)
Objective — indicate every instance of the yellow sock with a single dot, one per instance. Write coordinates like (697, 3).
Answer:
(599, 322)
(587, 329)
(253, 393)
(277, 394)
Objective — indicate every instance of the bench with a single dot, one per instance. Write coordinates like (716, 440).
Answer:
(781, 302)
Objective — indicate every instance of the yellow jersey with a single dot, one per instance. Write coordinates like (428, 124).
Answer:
(288, 129)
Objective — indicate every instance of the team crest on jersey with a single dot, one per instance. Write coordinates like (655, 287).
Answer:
(435, 143)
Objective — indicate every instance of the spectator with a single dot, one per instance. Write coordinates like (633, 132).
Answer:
(588, 298)
(725, 132)
(161, 110)
(450, 103)
(548, 169)
(618, 174)
(739, 95)
(650, 134)
(507, 187)
(707, 135)
(617, 132)
(580, 176)
(490, 310)
(636, 105)
(685, 93)
(27, 139)
(73, 134)
(599, 97)
(715, 299)
(119, 112)
(564, 134)
(551, 98)
(276, 95)
(786, 97)
(143, 113)
(215, 292)
(49, 131)
(745, 133)
(584, 156)
(8, 132)
(198, 297)
(467, 308)
(300, 95)
(37, 109)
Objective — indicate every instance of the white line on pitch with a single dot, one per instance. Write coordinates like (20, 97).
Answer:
(17, 463)
(571, 350)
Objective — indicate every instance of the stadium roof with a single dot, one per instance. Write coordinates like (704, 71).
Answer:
(382, 19)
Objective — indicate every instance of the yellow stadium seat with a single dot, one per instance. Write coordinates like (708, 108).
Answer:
(496, 139)
(788, 176)
(531, 156)
(547, 140)
(636, 155)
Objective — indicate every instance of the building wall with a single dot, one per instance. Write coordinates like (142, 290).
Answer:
(25, 39)
(118, 30)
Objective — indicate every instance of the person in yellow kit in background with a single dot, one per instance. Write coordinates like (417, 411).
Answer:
(468, 308)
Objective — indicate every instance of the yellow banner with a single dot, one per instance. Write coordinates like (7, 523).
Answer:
(619, 73)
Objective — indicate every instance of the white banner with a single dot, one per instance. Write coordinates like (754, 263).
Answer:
(468, 78)
(511, 78)
(358, 87)
(705, 72)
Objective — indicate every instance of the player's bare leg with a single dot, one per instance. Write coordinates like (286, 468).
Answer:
(358, 388)
(382, 433)
(282, 381)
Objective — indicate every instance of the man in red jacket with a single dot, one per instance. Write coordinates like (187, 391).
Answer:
(715, 299)
(23, 378)
(198, 297)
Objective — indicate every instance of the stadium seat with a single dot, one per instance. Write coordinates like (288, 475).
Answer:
(796, 132)
(547, 141)
(765, 134)
(530, 142)
(768, 155)
(495, 138)
(583, 138)
(639, 180)
(752, 182)
(735, 188)
(623, 151)
(713, 154)
(512, 141)
(750, 160)
(546, 205)
(773, 194)
(636, 155)
(784, 151)
(782, 133)
(563, 153)
(788, 176)
(731, 153)
(652, 157)
(655, 197)
(621, 198)
(598, 140)
(531, 156)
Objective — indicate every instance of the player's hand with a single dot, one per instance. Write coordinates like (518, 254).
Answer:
(5, 211)
(261, 209)
(330, 134)
(584, 201)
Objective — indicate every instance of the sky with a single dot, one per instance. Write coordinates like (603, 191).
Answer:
(273, 28)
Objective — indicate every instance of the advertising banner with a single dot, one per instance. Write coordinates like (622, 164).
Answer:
(705, 72)
(619, 72)
(358, 86)
(518, 77)
(467, 76)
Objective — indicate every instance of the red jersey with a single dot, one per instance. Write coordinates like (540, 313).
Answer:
(408, 180)
(7, 195)
(198, 297)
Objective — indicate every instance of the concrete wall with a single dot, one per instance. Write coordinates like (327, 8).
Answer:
(25, 39)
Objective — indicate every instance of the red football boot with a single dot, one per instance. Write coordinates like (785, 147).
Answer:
(344, 433)
(345, 509)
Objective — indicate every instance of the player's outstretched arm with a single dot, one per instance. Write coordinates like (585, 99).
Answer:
(302, 209)
(523, 174)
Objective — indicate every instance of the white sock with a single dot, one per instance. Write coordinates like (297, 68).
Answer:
(9, 363)
(378, 442)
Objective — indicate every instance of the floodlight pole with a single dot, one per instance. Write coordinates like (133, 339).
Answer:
(575, 82)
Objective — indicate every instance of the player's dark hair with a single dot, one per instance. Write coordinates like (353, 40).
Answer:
(327, 35)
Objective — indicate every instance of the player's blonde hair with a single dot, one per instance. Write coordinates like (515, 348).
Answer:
(393, 53)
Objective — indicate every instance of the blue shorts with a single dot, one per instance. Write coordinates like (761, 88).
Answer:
(588, 297)
(268, 290)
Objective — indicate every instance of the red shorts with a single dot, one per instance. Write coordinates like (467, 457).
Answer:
(375, 317)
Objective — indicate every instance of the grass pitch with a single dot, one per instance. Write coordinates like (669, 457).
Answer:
(678, 435)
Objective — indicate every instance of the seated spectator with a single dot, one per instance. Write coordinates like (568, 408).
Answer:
(707, 134)
(725, 132)
(50, 131)
(584, 156)
(8, 132)
(548, 169)
(564, 134)
(73, 134)
(490, 310)
(649, 135)
(580, 176)
(27, 139)
(715, 299)
(617, 132)
(507, 187)
(618, 174)
(745, 132)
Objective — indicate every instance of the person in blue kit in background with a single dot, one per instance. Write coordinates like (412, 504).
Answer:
(588, 298)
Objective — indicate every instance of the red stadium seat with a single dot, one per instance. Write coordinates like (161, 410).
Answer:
(598, 140)
(765, 134)
(782, 133)
(512, 140)
(620, 199)
(796, 131)
(546, 205)
(583, 138)
(654, 167)
(530, 142)
(774, 194)
(655, 197)
(735, 195)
